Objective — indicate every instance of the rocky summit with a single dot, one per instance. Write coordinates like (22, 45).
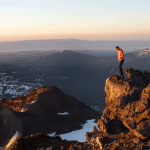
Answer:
(124, 124)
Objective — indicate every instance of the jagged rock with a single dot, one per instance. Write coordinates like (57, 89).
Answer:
(126, 118)
(127, 102)
(95, 129)
(37, 112)
(18, 103)
(125, 123)
(115, 90)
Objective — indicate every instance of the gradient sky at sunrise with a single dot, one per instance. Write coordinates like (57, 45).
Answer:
(79, 19)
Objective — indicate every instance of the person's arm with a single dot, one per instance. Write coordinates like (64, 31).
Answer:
(119, 55)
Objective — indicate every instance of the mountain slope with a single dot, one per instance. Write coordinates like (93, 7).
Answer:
(79, 75)
(39, 111)
(138, 59)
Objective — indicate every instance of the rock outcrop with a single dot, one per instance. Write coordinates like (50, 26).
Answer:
(9, 124)
(38, 112)
(125, 123)
(40, 141)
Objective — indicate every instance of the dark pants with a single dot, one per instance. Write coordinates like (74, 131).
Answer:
(120, 67)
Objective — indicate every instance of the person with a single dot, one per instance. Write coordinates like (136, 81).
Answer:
(121, 60)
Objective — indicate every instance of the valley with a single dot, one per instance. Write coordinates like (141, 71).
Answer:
(79, 75)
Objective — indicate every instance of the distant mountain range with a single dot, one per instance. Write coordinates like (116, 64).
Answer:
(77, 74)
(71, 44)
(139, 59)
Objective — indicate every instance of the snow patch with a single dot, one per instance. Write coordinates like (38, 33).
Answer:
(52, 134)
(22, 110)
(79, 135)
(12, 139)
(15, 72)
(65, 113)
(11, 86)
(24, 86)
(32, 102)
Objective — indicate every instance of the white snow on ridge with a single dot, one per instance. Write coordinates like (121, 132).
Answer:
(52, 134)
(22, 110)
(78, 135)
(26, 87)
(11, 86)
(12, 139)
(32, 102)
(65, 113)
(145, 51)
(17, 89)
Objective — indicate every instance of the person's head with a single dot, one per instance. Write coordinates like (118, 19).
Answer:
(117, 47)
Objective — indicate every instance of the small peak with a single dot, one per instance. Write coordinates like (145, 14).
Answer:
(66, 51)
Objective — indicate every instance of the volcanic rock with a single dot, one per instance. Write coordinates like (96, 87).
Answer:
(125, 123)
(38, 112)
(40, 141)
(9, 124)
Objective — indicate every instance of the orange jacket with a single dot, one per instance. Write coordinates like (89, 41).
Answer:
(120, 54)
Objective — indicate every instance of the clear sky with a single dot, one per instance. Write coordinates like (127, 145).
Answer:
(79, 19)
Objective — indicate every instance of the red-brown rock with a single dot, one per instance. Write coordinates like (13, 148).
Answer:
(125, 122)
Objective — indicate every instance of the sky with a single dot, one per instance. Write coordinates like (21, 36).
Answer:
(78, 19)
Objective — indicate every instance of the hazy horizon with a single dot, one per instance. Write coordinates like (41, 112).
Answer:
(71, 44)
(1, 41)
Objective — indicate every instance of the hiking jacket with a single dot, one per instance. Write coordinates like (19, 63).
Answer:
(120, 55)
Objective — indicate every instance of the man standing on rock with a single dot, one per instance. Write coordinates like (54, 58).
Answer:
(121, 60)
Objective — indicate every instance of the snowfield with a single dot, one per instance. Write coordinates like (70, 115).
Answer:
(14, 88)
(78, 135)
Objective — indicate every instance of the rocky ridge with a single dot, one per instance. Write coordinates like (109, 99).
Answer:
(125, 123)
(38, 112)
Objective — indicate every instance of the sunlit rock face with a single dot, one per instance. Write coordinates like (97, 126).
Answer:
(126, 118)
(19, 104)
(120, 92)
(127, 102)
